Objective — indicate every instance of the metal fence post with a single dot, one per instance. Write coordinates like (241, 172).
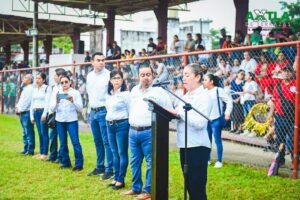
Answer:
(74, 74)
(2, 90)
(296, 129)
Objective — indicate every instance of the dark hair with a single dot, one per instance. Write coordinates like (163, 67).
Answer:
(214, 79)
(96, 54)
(159, 38)
(133, 51)
(43, 76)
(146, 66)
(60, 71)
(65, 76)
(252, 76)
(110, 86)
(199, 36)
(189, 34)
(267, 56)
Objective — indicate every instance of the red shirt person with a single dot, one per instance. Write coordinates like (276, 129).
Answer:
(284, 97)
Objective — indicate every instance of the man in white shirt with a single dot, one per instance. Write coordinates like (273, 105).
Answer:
(248, 64)
(55, 156)
(22, 109)
(96, 87)
(140, 133)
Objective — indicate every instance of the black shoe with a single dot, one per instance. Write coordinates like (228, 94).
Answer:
(107, 175)
(50, 160)
(28, 154)
(233, 131)
(77, 168)
(65, 166)
(96, 172)
(118, 187)
(111, 185)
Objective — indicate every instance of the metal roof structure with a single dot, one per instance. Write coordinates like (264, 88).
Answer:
(12, 28)
(121, 7)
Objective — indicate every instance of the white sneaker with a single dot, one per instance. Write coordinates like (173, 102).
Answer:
(246, 132)
(252, 134)
(218, 165)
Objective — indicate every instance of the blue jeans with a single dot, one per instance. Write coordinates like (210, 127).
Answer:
(43, 131)
(247, 106)
(215, 127)
(27, 133)
(284, 130)
(140, 143)
(53, 145)
(118, 140)
(72, 129)
(99, 130)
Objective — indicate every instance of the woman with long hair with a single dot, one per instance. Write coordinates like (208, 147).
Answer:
(117, 105)
(217, 117)
(38, 112)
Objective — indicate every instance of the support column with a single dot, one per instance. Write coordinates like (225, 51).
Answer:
(7, 51)
(110, 26)
(35, 44)
(25, 47)
(75, 37)
(242, 8)
(161, 14)
(48, 46)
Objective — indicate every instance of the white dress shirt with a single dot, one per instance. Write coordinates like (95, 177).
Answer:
(117, 106)
(25, 99)
(248, 66)
(66, 111)
(96, 87)
(197, 134)
(139, 114)
(40, 99)
(223, 97)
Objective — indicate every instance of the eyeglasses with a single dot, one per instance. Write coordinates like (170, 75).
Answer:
(147, 75)
(116, 78)
(64, 82)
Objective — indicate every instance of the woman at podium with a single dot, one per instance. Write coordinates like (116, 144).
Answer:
(198, 143)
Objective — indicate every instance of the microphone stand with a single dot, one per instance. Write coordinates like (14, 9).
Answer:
(187, 107)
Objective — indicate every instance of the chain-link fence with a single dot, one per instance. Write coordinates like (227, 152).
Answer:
(260, 80)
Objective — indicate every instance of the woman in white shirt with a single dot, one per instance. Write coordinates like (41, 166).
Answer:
(67, 103)
(38, 111)
(117, 106)
(250, 89)
(218, 119)
(198, 142)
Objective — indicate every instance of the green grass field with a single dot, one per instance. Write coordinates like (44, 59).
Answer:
(28, 178)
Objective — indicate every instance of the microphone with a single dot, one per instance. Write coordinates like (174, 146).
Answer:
(159, 84)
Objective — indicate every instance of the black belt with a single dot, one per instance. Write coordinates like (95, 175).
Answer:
(116, 121)
(24, 112)
(98, 109)
(141, 128)
(38, 109)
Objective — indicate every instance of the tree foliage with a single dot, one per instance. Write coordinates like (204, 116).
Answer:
(64, 43)
(214, 34)
(293, 10)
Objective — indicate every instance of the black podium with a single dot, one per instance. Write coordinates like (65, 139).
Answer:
(160, 151)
